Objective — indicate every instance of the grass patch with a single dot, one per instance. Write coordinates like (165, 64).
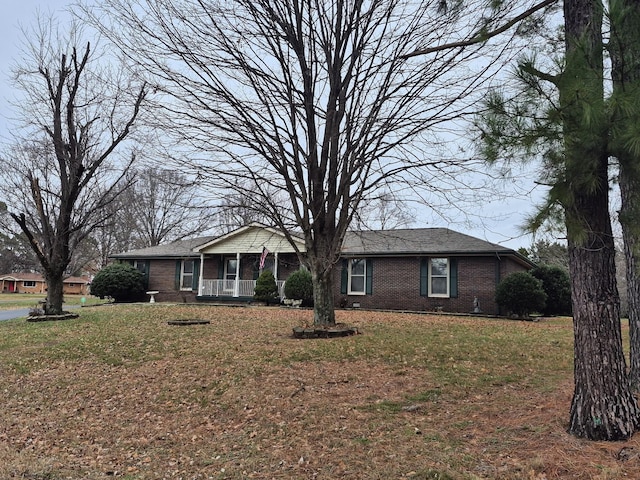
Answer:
(119, 393)
(12, 301)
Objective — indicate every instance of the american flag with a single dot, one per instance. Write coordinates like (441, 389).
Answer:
(263, 257)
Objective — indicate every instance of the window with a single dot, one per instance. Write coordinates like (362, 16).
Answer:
(141, 266)
(29, 283)
(438, 277)
(357, 276)
(186, 275)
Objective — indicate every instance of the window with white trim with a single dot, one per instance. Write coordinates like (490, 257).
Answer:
(29, 283)
(438, 277)
(186, 274)
(357, 276)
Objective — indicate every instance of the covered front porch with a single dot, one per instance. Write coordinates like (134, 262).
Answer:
(233, 288)
(229, 266)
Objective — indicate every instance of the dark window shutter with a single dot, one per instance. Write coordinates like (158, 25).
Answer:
(196, 275)
(177, 276)
(147, 268)
(424, 277)
(369, 279)
(344, 277)
(453, 277)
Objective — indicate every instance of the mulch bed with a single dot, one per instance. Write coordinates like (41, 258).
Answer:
(51, 318)
(339, 330)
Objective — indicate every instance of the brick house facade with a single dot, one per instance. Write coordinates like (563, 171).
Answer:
(27, 282)
(432, 269)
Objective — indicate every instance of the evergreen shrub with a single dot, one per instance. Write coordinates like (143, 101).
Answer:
(557, 285)
(299, 286)
(521, 294)
(120, 281)
(266, 289)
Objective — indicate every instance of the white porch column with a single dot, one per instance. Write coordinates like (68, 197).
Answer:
(201, 281)
(275, 265)
(236, 284)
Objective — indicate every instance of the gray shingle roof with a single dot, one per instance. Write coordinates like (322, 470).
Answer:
(179, 249)
(416, 241)
(411, 241)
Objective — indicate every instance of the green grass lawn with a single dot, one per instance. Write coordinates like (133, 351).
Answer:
(27, 300)
(119, 393)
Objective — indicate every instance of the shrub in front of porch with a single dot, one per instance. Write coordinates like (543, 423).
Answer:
(299, 286)
(266, 289)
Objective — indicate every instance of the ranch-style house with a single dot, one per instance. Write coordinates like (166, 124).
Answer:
(421, 269)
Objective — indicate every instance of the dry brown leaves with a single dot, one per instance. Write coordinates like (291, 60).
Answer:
(226, 404)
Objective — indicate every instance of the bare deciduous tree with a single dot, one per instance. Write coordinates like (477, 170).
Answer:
(76, 113)
(314, 99)
(165, 206)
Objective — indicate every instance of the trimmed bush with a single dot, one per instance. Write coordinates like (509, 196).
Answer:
(557, 286)
(266, 289)
(299, 286)
(521, 294)
(121, 281)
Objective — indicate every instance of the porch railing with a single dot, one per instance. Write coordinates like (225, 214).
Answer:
(227, 288)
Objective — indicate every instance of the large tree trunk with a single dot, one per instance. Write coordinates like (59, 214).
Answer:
(624, 48)
(631, 190)
(603, 407)
(55, 293)
(323, 307)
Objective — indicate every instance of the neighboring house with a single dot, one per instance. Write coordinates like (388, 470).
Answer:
(424, 269)
(35, 283)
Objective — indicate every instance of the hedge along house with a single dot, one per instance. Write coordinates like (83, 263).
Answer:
(425, 269)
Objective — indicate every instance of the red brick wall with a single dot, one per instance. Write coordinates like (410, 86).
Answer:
(396, 285)
(396, 282)
(162, 274)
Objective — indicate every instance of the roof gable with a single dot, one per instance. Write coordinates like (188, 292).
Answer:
(251, 239)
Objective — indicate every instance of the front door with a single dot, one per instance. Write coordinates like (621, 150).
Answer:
(230, 271)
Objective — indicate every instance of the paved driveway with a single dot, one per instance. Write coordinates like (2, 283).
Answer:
(23, 312)
(11, 314)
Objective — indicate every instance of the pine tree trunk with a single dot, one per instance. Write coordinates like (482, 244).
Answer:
(624, 48)
(629, 219)
(603, 407)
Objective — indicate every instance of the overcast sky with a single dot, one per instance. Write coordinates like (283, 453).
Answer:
(23, 13)
(17, 14)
